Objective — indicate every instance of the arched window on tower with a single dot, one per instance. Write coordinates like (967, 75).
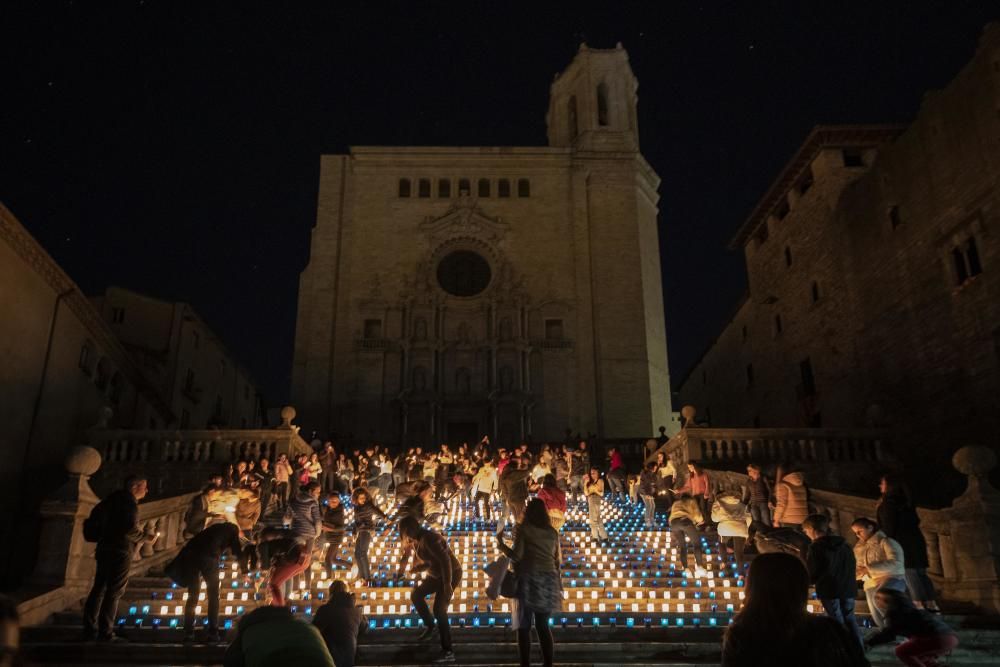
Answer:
(602, 104)
(464, 188)
(503, 187)
(424, 187)
(523, 187)
(574, 127)
(404, 187)
(444, 187)
(484, 187)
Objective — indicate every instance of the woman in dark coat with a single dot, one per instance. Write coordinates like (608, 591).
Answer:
(897, 517)
(774, 628)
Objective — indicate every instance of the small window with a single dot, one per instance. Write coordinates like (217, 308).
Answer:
(806, 182)
(972, 254)
(484, 187)
(574, 126)
(788, 256)
(894, 217)
(103, 376)
(117, 315)
(404, 187)
(815, 291)
(746, 333)
(808, 379)
(602, 104)
(373, 329)
(777, 324)
(464, 188)
(84, 361)
(553, 329)
(117, 385)
(853, 158)
(503, 188)
(424, 187)
(444, 188)
(965, 259)
(749, 376)
(781, 212)
(523, 187)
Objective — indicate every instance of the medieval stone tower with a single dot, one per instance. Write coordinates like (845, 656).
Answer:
(509, 291)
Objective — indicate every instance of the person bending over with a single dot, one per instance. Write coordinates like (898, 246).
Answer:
(431, 554)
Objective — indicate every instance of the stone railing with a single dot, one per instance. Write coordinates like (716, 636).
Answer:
(737, 446)
(181, 461)
(164, 517)
(963, 540)
(65, 566)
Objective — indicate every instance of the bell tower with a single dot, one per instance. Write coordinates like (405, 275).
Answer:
(592, 103)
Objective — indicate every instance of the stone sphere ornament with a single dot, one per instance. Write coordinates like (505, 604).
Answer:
(974, 461)
(83, 460)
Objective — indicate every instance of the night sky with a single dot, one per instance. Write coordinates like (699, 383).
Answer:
(173, 148)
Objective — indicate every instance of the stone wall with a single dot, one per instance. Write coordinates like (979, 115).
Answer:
(893, 334)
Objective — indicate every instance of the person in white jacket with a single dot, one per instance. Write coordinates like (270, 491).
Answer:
(880, 563)
(484, 485)
(733, 520)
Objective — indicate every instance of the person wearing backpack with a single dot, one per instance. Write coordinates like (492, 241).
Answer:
(113, 524)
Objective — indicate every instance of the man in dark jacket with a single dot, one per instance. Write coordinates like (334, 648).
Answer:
(334, 528)
(265, 476)
(444, 573)
(199, 559)
(648, 481)
(117, 520)
(341, 623)
(831, 565)
(514, 490)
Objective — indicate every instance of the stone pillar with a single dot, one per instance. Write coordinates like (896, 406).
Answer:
(974, 519)
(64, 557)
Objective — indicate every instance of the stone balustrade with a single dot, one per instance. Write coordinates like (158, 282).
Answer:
(164, 517)
(179, 461)
(65, 567)
(738, 446)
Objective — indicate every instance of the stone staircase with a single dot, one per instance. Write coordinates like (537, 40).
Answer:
(627, 603)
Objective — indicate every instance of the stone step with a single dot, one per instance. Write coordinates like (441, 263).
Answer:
(630, 647)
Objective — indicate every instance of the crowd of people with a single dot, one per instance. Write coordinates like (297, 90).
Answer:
(289, 517)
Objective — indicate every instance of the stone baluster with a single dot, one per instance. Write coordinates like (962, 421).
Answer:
(160, 526)
(149, 526)
(933, 553)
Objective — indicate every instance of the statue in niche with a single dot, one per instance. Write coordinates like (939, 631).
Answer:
(506, 329)
(506, 378)
(463, 332)
(420, 329)
(419, 378)
(463, 381)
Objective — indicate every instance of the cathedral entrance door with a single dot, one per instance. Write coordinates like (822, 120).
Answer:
(459, 432)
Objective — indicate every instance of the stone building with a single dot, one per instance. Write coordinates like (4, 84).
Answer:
(874, 289)
(60, 365)
(509, 291)
(189, 365)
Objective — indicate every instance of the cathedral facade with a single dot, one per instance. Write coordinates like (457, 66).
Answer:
(508, 291)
